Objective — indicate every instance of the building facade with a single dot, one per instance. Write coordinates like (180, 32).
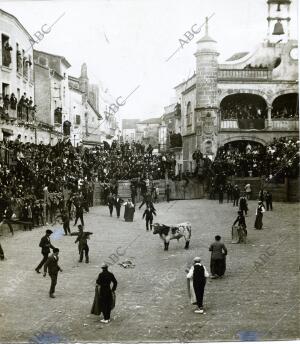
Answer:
(16, 78)
(147, 131)
(253, 96)
(129, 130)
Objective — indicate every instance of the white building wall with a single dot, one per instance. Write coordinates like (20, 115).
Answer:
(10, 27)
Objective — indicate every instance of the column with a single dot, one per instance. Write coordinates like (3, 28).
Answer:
(269, 121)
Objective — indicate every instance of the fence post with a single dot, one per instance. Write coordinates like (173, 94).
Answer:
(286, 189)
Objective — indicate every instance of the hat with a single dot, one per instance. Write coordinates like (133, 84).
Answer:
(197, 260)
(49, 231)
(104, 266)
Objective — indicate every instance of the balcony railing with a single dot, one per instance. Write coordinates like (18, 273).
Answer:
(244, 124)
(229, 124)
(284, 124)
(255, 74)
(289, 125)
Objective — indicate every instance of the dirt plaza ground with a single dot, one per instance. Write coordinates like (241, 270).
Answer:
(257, 299)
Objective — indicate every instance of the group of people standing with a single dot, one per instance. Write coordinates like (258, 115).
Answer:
(198, 274)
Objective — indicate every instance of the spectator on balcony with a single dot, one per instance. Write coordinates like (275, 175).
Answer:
(2, 112)
(13, 104)
(7, 54)
(20, 107)
(19, 61)
(6, 102)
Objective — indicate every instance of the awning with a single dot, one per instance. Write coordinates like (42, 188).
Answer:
(7, 131)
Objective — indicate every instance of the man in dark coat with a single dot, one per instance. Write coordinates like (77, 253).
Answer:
(110, 203)
(79, 213)
(149, 216)
(236, 195)
(45, 244)
(229, 189)
(104, 295)
(118, 202)
(243, 205)
(269, 200)
(66, 221)
(52, 266)
(218, 258)
(83, 246)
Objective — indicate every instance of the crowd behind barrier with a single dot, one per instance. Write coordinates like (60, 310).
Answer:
(38, 182)
(277, 160)
(44, 180)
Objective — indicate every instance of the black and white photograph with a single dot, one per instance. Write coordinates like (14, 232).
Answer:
(149, 171)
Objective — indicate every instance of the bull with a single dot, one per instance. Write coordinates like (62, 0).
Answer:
(168, 233)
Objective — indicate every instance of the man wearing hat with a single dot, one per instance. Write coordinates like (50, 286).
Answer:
(83, 246)
(196, 283)
(52, 266)
(45, 244)
(104, 300)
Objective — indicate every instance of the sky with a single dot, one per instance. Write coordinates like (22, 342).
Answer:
(126, 43)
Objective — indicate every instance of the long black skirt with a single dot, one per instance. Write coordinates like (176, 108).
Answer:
(218, 266)
(258, 221)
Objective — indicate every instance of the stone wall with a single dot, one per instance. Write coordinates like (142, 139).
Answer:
(193, 189)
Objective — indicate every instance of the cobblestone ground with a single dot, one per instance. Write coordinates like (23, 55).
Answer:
(257, 299)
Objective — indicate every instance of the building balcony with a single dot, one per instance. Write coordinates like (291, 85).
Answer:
(244, 74)
(260, 124)
(284, 124)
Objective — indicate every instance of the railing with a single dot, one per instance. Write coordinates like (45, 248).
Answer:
(244, 74)
(229, 124)
(272, 125)
(284, 124)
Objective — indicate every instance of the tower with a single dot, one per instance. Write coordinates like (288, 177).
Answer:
(206, 111)
(84, 81)
(278, 20)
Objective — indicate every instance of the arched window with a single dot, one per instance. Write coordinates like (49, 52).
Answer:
(286, 107)
(189, 114)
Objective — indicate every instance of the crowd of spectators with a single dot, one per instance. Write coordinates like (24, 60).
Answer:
(24, 109)
(29, 171)
(286, 112)
(242, 110)
(278, 159)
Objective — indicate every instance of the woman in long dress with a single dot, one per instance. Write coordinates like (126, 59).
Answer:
(129, 211)
(259, 215)
(196, 278)
(239, 232)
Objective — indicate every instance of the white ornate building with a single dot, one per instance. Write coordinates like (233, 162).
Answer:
(264, 81)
